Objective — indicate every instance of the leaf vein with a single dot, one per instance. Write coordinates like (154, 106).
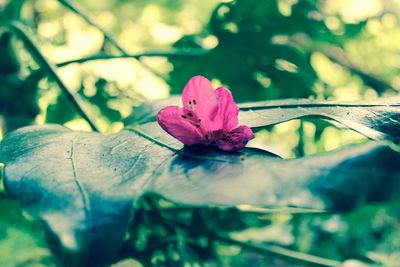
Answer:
(82, 191)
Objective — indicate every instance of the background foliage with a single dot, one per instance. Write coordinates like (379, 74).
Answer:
(261, 50)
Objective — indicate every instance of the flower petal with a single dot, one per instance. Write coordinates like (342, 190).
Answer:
(174, 122)
(198, 96)
(227, 109)
(236, 139)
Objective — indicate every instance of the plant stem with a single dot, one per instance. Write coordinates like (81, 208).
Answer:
(2, 191)
(337, 56)
(281, 252)
(86, 16)
(19, 29)
(12, 10)
(108, 36)
(251, 210)
(136, 56)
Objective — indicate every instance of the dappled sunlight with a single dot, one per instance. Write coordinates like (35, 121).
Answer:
(354, 11)
(295, 163)
(285, 131)
(333, 138)
(80, 39)
(329, 72)
(152, 24)
(78, 125)
(284, 138)
(348, 92)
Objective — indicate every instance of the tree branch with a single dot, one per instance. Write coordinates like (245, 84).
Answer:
(338, 56)
(281, 252)
(19, 30)
(86, 16)
(136, 56)
(108, 36)
(2, 191)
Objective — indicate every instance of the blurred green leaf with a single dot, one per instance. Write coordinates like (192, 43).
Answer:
(12, 10)
(19, 99)
(22, 242)
(89, 181)
(60, 112)
(10, 63)
(147, 111)
(101, 99)
(255, 51)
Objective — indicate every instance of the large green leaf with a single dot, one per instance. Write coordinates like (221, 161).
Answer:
(82, 185)
(375, 119)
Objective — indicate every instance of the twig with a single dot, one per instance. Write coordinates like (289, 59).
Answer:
(2, 192)
(86, 16)
(19, 29)
(108, 36)
(281, 252)
(337, 56)
(136, 56)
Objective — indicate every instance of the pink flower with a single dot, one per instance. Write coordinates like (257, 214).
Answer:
(208, 117)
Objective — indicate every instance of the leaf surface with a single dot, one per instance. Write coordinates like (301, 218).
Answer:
(83, 185)
(374, 119)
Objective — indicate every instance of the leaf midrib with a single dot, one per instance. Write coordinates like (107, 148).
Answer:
(249, 107)
(177, 151)
(82, 191)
